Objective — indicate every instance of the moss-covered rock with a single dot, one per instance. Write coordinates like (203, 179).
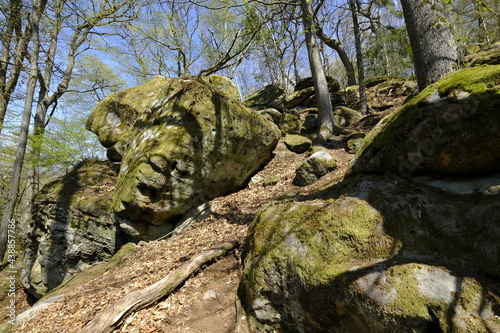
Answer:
(488, 56)
(273, 115)
(333, 84)
(297, 98)
(271, 96)
(451, 127)
(345, 116)
(191, 145)
(223, 85)
(374, 254)
(316, 166)
(291, 122)
(113, 118)
(72, 227)
(297, 143)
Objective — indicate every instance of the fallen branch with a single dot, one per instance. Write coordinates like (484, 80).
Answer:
(113, 316)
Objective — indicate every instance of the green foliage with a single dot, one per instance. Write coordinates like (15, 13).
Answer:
(389, 53)
(65, 144)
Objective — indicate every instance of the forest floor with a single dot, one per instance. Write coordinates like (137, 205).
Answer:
(207, 301)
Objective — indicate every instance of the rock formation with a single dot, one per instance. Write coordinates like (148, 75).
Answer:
(72, 227)
(181, 142)
(391, 248)
(451, 127)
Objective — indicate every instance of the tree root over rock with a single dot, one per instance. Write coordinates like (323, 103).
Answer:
(114, 315)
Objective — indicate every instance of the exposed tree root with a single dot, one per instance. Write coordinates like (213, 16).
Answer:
(109, 319)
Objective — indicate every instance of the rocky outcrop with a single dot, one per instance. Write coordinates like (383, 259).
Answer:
(393, 248)
(183, 143)
(451, 127)
(72, 227)
(271, 96)
(377, 253)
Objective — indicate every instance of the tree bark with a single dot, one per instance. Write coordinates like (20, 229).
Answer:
(339, 48)
(327, 125)
(11, 64)
(359, 57)
(38, 8)
(431, 38)
(108, 320)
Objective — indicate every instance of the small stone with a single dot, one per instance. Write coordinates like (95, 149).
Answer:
(297, 143)
(210, 295)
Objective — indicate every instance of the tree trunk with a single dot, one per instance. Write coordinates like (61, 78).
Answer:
(11, 64)
(108, 320)
(363, 108)
(38, 8)
(339, 48)
(327, 124)
(431, 38)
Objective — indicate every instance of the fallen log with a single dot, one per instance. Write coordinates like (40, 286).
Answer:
(111, 318)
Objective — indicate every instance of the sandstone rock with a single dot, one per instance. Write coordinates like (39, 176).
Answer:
(273, 115)
(353, 142)
(291, 122)
(315, 167)
(488, 56)
(114, 117)
(375, 253)
(188, 144)
(223, 85)
(345, 116)
(72, 227)
(298, 97)
(451, 127)
(333, 84)
(271, 96)
(311, 123)
(297, 143)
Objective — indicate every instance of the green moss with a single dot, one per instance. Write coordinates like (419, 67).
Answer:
(333, 234)
(388, 144)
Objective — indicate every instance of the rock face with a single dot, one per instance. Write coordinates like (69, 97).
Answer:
(377, 255)
(72, 227)
(182, 142)
(271, 96)
(451, 127)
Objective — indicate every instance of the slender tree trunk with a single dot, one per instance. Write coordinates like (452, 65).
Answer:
(327, 124)
(38, 8)
(431, 38)
(339, 48)
(10, 64)
(359, 58)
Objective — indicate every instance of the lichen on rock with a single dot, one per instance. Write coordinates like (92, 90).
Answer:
(372, 254)
(450, 127)
(72, 227)
(188, 143)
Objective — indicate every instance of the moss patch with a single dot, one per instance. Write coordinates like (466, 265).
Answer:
(450, 127)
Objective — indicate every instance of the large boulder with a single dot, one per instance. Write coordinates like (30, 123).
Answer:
(377, 254)
(188, 144)
(112, 120)
(72, 227)
(452, 127)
